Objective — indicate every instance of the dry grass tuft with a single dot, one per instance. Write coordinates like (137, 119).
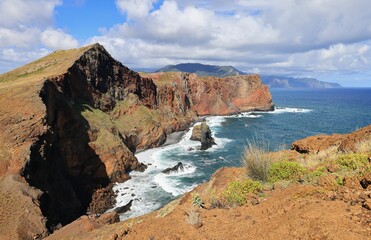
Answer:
(314, 159)
(193, 218)
(256, 159)
(364, 146)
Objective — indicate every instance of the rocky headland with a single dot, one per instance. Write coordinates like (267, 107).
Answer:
(71, 122)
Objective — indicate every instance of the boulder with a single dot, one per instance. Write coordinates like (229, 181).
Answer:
(202, 133)
(123, 208)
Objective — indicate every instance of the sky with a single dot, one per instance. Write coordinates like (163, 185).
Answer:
(326, 39)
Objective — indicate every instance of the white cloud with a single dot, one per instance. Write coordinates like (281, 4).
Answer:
(281, 36)
(135, 8)
(22, 37)
(10, 57)
(57, 39)
(34, 13)
(26, 30)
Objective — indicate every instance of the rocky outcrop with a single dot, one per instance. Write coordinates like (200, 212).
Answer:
(71, 122)
(175, 169)
(344, 142)
(351, 140)
(202, 133)
(54, 131)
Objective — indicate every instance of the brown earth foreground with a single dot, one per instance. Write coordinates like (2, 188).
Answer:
(335, 204)
(71, 122)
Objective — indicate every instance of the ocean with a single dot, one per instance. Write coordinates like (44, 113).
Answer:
(299, 113)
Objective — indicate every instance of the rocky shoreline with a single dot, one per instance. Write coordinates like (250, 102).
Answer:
(312, 201)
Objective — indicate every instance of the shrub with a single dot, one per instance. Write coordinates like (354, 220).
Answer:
(256, 160)
(284, 170)
(314, 175)
(235, 194)
(197, 201)
(352, 161)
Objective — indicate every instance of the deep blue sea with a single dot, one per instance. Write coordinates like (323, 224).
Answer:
(298, 114)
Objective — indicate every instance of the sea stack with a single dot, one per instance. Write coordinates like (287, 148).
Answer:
(202, 133)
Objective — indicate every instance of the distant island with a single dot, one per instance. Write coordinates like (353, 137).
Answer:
(269, 80)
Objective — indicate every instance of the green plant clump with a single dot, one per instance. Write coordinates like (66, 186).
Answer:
(236, 191)
(352, 161)
(197, 201)
(284, 170)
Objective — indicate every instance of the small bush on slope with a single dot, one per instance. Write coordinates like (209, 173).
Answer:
(352, 161)
(197, 201)
(284, 170)
(236, 192)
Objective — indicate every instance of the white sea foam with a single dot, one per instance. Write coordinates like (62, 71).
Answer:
(279, 110)
(146, 188)
(172, 184)
(245, 115)
(215, 121)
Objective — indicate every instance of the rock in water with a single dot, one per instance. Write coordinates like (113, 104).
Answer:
(124, 208)
(176, 168)
(202, 133)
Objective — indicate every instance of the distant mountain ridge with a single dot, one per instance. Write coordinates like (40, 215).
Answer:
(270, 81)
(291, 82)
(203, 70)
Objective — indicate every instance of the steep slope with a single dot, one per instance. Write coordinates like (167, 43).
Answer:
(219, 96)
(71, 122)
(50, 142)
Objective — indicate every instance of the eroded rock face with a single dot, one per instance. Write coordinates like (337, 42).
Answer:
(216, 96)
(57, 147)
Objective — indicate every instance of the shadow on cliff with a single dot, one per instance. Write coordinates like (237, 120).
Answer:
(62, 163)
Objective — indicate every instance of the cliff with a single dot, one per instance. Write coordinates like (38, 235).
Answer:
(71, 122)
(218, 96)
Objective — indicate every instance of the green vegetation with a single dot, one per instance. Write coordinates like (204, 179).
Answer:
(256, 160)
(314, 175)
(284, 170)
(352, 161)
(235, 194)
(197, 201)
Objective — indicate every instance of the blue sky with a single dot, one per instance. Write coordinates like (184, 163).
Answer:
(326, 39)
(84, 19)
